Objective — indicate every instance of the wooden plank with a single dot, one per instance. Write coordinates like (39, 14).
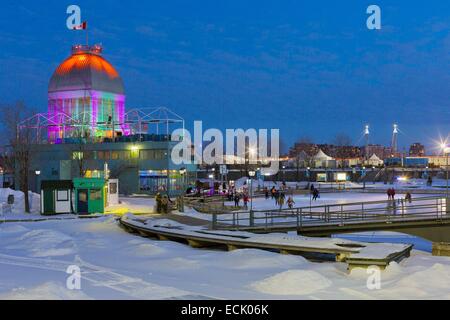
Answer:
(198, 241)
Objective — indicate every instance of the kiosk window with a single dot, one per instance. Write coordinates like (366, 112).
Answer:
(113, 188)
(62, 195)
(96, 194)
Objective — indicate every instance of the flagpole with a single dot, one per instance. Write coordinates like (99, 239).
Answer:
(87, 36)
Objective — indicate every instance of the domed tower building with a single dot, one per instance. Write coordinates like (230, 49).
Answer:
(87, 97)
(86, 134)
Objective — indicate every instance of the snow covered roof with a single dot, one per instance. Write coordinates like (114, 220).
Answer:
(374, 157)
(322, 156)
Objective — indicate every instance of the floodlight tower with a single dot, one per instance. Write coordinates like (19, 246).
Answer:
(366, 137)
(394, 141)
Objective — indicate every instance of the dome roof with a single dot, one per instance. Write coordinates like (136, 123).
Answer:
(86, 69)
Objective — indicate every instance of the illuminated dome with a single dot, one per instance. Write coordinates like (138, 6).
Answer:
(86, 69)
(87, 90)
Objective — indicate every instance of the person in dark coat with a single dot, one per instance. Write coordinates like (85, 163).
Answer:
(408, 197)
(277, 197)
(237, 199)
(266, 193)
(315, 194)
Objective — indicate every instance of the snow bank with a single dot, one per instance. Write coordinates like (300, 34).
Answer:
(46, 291)
(145, 248)
(292, 282)
(19, 200)
(258, 259)
(44, 243)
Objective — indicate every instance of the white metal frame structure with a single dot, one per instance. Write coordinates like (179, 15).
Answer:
(140, 121)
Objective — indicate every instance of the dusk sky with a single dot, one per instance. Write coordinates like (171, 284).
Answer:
(309, 68)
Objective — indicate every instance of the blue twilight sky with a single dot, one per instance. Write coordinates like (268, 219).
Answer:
(310, 68)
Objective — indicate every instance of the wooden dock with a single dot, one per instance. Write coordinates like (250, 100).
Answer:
(355, 254)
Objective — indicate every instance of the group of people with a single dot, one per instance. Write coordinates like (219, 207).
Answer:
(162, 203)
(391, 193)
(279, 196)
(234, 195)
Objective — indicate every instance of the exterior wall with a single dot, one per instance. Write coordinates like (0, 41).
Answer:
(438, 161)
(125, 161)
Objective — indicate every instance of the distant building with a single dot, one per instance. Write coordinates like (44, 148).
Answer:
(380, 151)
(308, 149)
(374, 161)
(340, 152)
(417, 150)
(322, 160)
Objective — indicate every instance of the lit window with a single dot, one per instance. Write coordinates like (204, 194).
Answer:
(96, 194)
(77, 155)
(62, 195)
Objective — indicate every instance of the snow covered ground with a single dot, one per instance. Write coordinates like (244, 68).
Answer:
(135, 205)
(34, 257)
(115, 264)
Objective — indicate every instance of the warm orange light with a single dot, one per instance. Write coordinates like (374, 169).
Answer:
(85, 60)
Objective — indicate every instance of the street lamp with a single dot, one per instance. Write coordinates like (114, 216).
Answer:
(183, 180)
(251, 173)
(38, 173)
(446, 151)
(363, 173)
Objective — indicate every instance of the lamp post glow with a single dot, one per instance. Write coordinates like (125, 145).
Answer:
(38, 173)
(251, 173)
(446, 151)
(183, 180)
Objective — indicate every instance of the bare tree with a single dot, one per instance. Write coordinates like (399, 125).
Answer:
(341, 141)
(301, 154)
(20, 142)
(78, 151)
(305, 140)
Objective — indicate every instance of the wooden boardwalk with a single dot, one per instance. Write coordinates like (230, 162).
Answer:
(355, 254)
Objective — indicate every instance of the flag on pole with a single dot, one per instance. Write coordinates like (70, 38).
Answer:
(82, 26)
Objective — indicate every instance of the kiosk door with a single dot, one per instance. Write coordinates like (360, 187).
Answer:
(82, 206)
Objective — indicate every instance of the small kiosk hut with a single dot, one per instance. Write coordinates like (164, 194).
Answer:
(56, 197)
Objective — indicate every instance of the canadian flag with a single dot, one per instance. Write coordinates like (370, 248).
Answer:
(82, 26)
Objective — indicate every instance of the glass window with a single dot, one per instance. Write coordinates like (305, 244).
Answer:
(77, 155)
(159, 154)
(113, 188)
(96, 194)
(103, 155)
(114, 155)
(88, 155)
(125, 155)
(82, 196)
(62, 195)
(145, 154)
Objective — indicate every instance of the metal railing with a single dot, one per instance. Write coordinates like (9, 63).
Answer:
(341, 214)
